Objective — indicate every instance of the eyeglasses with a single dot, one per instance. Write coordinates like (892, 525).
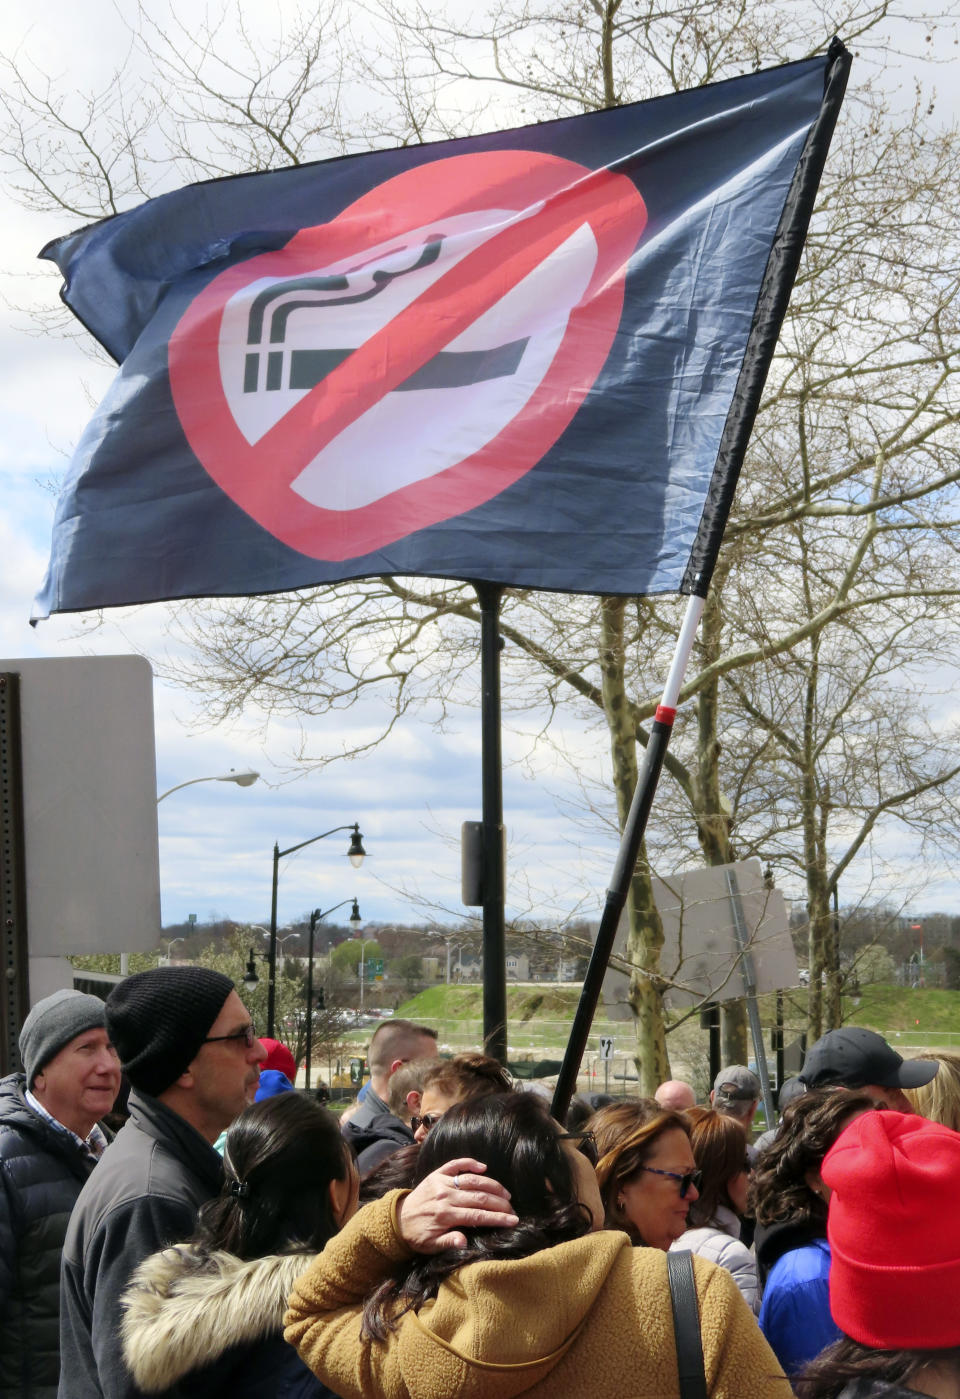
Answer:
(586, 1144)
(686, 1180)
(428, 1120)
(247, 1033)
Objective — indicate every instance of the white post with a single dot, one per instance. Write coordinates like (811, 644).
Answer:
(361, 976)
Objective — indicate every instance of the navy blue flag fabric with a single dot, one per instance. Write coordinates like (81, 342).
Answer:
(531, 357)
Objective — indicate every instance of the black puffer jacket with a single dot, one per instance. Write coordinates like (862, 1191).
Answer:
(41, 1174)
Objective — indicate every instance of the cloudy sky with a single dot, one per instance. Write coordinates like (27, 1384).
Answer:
(409, 796)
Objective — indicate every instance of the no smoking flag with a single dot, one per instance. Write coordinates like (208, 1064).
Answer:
(531, 357)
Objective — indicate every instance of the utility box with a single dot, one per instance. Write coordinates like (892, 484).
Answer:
(81, 871)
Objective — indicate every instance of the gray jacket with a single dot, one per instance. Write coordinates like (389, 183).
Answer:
(143, 1196)
(719, 1241)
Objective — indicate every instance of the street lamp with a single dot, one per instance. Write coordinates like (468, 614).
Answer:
(171, 944)
(282, 940)
(316, 917)
(250, 978)
(355, 854)
(246, 778)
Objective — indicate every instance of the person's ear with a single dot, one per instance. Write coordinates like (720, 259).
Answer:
(412, 1101)
(343, 1198)
(395, 1065)
(816, 1183)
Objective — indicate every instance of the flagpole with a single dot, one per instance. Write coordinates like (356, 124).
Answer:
(630, 842)
(494, 922)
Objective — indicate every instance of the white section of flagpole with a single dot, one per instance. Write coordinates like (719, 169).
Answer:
(630, 842)
(682, 650)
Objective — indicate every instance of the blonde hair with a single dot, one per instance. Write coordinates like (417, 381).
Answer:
(939, 1100)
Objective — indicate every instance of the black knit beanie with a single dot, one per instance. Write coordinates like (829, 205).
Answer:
(157, 1020)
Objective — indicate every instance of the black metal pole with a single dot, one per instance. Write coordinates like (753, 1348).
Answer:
(272, 953)
(710, 1021)
(714, 1042)
(778, 1044)
(494, 931)
(14, 945)
(630, 843)
(313, 925)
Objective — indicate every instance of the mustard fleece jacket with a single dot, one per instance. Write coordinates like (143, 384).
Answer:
(591, 1317)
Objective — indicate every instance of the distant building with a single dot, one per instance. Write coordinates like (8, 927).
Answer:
(518, 967)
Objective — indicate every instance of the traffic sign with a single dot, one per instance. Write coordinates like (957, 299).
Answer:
(606, 1047)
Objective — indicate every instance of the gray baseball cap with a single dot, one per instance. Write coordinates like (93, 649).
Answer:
(736, 1084)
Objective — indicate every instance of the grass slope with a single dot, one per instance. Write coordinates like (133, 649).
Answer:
(925, 1014)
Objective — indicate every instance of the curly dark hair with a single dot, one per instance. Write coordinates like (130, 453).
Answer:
(280, 1156)
(846, 1360)
(811, 1124)
(520, 1144)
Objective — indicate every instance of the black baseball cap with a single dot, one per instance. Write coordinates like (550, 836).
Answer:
(853, 1057)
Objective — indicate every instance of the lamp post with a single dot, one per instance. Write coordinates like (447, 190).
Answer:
(250, 978)
(282, 940)
(355, 854)
(459, 950)
(316, 917)
(246, 778)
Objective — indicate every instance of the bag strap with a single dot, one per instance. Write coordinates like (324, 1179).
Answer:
(686, 1325)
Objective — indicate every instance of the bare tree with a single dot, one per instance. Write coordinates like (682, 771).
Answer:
(858, 425)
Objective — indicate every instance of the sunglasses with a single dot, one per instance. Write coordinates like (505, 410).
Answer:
(428, 1120)
(246, 1033)
(586, 1144)
(688, 1178)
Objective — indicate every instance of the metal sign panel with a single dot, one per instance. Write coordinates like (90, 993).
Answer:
(700, 959)
(89, 804)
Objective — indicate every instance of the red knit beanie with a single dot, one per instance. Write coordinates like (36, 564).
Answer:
(279, 1057)
(894, 1232)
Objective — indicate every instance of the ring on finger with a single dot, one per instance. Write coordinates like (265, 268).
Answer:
(456, 1182)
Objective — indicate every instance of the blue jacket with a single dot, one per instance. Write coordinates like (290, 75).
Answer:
(795, 1312)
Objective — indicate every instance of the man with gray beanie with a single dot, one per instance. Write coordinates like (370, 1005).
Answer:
(49, 1144)
(189, 1048)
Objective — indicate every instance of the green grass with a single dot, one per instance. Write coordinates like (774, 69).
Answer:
(924, 1010)
(524, 1003)
(539, 1017)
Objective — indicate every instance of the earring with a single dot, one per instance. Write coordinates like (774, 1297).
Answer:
(620, 1202)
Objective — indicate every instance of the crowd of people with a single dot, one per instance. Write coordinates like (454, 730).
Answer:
(446, 1235)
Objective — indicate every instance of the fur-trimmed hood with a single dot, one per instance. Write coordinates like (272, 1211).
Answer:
(183, 1310)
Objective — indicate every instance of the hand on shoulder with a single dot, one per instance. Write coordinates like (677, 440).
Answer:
(455, 1197)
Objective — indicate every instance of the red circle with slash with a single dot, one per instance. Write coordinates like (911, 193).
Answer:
(560, 197)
